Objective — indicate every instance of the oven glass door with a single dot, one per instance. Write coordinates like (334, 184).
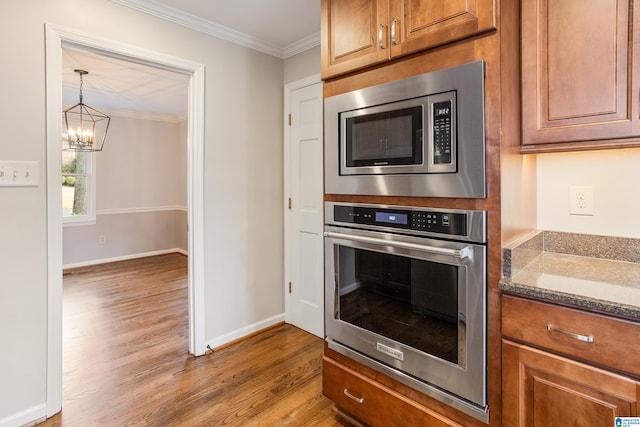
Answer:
(412, 301)
(415, 304)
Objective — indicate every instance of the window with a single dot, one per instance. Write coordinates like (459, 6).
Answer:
(78, 188)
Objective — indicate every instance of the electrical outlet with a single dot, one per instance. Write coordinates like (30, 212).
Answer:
(580, 200)
(102, 239)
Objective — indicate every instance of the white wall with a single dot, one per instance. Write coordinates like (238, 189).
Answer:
(143, 164)
(141, 194)
(614, 176)
(243, 180)
(302, 65)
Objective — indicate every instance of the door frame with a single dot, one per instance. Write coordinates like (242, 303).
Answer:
(288, 89)
(56, 38)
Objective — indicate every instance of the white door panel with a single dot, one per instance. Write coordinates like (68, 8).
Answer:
(304, 303)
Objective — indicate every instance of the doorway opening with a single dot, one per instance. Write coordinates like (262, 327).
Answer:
(57, 39)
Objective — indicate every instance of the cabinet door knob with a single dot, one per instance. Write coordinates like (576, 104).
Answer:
(352, 396)
(585, 338)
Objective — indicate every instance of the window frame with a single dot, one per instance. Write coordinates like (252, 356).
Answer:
(90, 198)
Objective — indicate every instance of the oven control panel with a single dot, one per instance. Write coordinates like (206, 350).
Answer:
(415, 219)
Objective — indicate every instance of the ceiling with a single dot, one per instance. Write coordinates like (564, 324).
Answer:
(119, 86)
(280, 28)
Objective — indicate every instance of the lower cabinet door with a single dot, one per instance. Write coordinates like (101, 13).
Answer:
(541, 389)
(373, 403)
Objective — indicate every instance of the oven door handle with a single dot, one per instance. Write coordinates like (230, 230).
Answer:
(456, 253)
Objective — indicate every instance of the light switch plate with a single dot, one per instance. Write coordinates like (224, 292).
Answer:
(18, 174)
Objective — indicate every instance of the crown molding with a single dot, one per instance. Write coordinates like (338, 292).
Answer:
(301, 45)
(188, 20)
(141, 115)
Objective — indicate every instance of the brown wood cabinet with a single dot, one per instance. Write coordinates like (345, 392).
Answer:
(373, 403)
(542, 388)
(360, 33)
(580, 75)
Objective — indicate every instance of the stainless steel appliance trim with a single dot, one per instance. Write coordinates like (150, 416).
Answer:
(478, 412)
(456, 253)
(469, 180)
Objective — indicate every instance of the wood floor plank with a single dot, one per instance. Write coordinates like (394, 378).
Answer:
(126, 362)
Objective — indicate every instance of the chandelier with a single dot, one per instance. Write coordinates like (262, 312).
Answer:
(85, 127)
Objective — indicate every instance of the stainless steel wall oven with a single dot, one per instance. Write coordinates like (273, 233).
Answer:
(405, 292)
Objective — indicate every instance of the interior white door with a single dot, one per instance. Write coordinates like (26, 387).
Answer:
(304, 296)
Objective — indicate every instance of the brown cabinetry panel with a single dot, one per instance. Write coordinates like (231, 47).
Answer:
(528, 321)
(350, 33)
(426, 24)
(360, 33)
(579, 74)
(541, 389)
(373, 403)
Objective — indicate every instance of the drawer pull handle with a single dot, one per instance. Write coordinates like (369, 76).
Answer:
(585, 338)
(352, 397)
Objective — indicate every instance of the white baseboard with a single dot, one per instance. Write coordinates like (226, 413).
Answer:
(243, 332)
(349, 288)
(28, 417)
(124, 258)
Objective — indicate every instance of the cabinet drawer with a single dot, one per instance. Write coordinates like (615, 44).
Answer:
(598, 339)
(373, 403)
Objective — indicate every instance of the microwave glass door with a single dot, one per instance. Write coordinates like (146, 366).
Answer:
(388, 135)
(412, 301)
(385, 139)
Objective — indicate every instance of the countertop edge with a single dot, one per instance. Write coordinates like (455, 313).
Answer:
(628, 312)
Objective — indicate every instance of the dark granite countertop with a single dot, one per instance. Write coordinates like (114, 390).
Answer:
(596, 273)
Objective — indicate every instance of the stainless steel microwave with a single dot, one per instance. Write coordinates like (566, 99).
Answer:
(419, 136)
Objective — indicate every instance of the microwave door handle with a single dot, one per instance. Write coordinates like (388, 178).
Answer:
(456, 253)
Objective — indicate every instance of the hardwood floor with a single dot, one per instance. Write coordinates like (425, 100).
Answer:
(126, 361)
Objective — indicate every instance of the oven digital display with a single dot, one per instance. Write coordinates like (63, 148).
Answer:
(392, 218)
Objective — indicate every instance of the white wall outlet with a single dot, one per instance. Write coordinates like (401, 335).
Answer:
(580, 200)
(102, 239)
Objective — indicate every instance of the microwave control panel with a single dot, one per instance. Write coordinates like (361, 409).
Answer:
(442, 132)
(442, 149)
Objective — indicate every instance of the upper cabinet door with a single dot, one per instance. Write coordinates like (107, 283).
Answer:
(360, 33)
(416, 25)
(579, 74)
(354, 34)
